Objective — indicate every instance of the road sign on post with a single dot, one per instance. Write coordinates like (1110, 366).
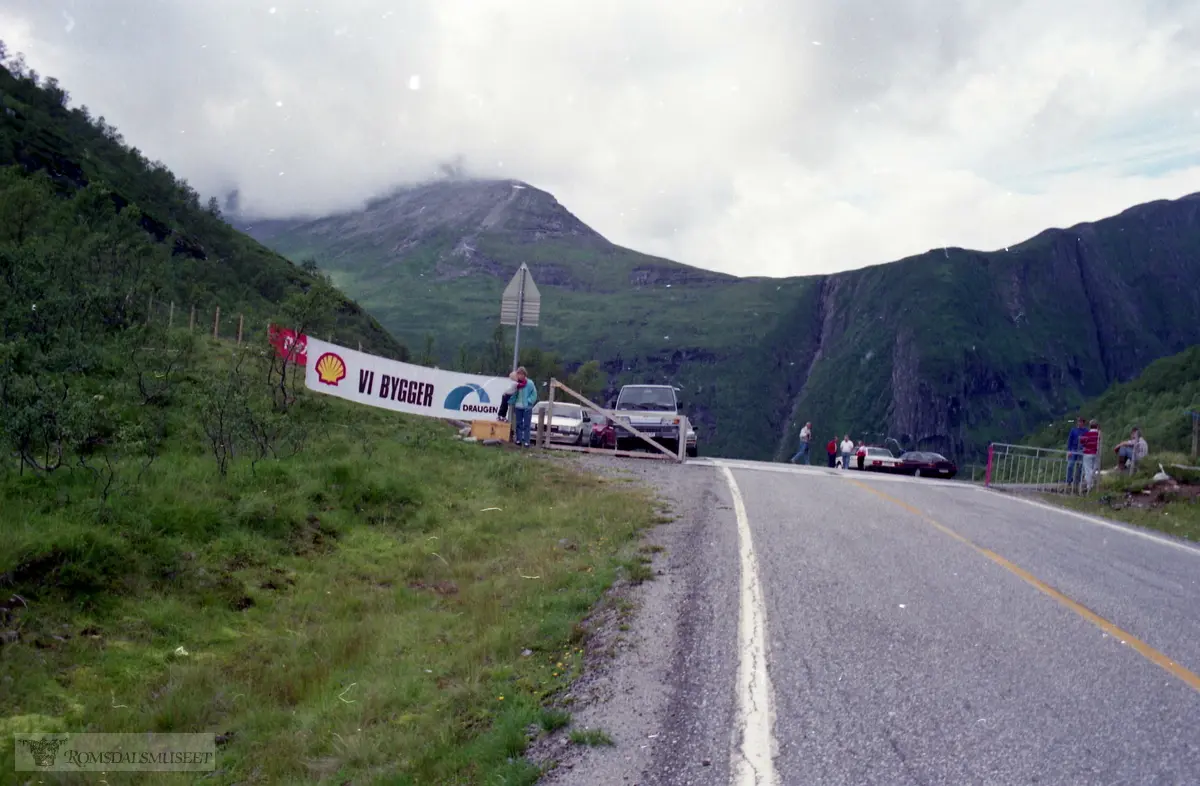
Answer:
(520, 305)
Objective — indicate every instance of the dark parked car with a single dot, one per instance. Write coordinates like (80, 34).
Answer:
(927, 465)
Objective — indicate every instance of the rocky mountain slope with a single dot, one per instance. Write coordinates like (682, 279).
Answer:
(945, 350)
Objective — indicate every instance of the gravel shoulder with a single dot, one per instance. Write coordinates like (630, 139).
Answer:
(663, 661)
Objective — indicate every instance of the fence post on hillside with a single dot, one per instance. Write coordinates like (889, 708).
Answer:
(149, 309)
(360, 346)
(548, 420)
(171, 315)
(217, 323)
(987, 475)
(241, 324)
(192, 320)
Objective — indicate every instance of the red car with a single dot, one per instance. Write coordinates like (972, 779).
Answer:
(604, 433)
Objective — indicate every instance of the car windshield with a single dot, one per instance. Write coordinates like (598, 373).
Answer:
(573, 411)
(657, 399)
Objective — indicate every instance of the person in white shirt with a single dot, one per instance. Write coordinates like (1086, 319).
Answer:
(805, 442)
(1132, 450)
(847, 447)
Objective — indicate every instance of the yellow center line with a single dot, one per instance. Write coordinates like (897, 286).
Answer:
(1144, 649)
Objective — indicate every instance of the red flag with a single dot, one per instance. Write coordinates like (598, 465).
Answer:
(286, 341)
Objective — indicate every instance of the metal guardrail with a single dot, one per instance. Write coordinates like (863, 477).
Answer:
(1026, 468)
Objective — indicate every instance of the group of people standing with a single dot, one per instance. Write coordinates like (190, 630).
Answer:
(1083, 452)
(846, 448)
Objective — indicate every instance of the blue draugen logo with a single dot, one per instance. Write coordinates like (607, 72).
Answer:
(457, 400)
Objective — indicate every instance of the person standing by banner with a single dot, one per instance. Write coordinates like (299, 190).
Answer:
(524, 396)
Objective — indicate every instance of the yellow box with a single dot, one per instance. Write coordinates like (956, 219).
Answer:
(490, 429)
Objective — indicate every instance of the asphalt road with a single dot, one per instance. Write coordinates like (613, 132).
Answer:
(914, 632)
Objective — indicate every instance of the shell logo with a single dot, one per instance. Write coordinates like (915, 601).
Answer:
(331, 369)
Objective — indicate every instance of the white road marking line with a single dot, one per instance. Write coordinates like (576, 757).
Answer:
(754, 741)
(1097, 521)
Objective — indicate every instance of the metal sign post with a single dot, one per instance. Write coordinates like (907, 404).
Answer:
(520, 305)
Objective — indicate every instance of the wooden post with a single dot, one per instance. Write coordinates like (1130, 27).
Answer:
(171, 315)
(241, 323)
(360, 346)
(192, 320)
(548, 418)
(683, 427)
(217, 323)
(149, 309)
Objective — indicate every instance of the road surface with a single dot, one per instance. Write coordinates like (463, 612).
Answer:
(820, 627)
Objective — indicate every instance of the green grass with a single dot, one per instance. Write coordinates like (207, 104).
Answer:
(1180, 518)
(591, 737)
(1135, 499)
(351, 613)
(553, 720)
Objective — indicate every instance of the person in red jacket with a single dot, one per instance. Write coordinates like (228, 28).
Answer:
(1090, 444)
(831, 449)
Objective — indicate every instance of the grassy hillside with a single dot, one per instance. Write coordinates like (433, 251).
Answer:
(193, 543)
(948, 350)
(350, 597)
(203, 262)
(1158, 401)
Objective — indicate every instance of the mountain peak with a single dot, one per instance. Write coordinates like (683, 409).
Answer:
(467, 207)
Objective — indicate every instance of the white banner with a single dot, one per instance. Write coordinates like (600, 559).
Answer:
(403, 387)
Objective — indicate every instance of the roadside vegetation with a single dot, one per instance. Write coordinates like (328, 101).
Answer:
(1172, 507)
(369, 601)
(1157, 401)
(192, 542)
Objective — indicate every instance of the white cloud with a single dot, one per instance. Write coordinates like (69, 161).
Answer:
(711, 133)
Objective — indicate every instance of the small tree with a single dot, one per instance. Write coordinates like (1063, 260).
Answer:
(499, 353)
(305, 313)
(428, 355)
(589, 380)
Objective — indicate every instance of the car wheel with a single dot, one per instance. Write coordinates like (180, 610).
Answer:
(693, 451)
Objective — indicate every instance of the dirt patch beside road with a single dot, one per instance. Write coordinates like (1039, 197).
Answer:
(661, 671)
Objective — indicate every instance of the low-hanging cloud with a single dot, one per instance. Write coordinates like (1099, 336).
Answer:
(772, 137)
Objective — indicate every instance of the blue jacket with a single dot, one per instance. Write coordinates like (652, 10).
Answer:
(1073, 439)
(526, 397)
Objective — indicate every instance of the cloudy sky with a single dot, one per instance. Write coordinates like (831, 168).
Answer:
(767, 136)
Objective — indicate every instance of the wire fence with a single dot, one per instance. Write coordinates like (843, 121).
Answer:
(1042, 470)
(221, 324)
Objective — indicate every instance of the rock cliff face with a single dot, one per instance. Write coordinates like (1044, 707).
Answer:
(946, 350)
